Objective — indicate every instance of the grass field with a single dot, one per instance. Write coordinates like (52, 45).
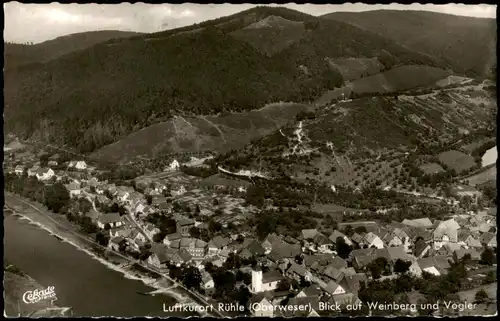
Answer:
(397, 79)
(355, 68)
(431, 168)
(488, 174)
(456, 160)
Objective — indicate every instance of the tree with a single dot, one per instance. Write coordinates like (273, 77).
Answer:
(299, 259)
(401, 266)
(191, 277)
(215, 202)
(255, 195)
(158, 237)
(343, 249)
(149, 199)
(84, 205)
(56, 197)
(44, 160)
(284, 285)
(487, 257)
(481, 297)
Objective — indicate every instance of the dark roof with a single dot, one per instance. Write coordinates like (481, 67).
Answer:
(321, 239)
(255, 248)
(185, 221)
(312, 290)
(420, 246)
(297, 269)
(109, 218)
(351, 283)
(219, 242)
(271, 276)
(284, 251)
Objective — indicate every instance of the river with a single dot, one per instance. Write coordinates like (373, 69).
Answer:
(490, 157)
(81, 282)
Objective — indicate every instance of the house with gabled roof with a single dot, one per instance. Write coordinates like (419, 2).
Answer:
(359, 239)
(424, 222)
(344, 299)
(374, 240)
(297, 272)
(309, 234)
(171, 237)
(183, 225)
(436, 265)
(282, 251)
(290, 309)
(74, 188)
(474, 253)
(421, 248)
(488, 239)
(111, 219)
(44, 174)
(352, 283)
(336, 234)
(271, 240)
(362, 257)
(312, 290)
(217, 244)
(159, 255)
(444, 234)
(261, 305)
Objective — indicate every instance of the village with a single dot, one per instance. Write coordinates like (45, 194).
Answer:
(175, 224)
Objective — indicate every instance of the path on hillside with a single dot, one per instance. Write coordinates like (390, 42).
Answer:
(87, 239)
(216, 127)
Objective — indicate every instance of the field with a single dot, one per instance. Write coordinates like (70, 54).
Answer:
(355, 68)
(431, 168)
(469, 148)
(397, 79)
(486, 175)
(481, 309)
(456, 160)
(219, 180)
(272, 34)
(202, 133)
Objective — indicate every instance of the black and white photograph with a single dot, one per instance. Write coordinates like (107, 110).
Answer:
(249, 160)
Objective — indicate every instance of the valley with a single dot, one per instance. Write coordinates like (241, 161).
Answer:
(269, 156)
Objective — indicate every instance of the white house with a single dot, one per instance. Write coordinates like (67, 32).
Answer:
(44, 174)
(174, 165)
(262, 308)
(74, 189)
(207, 282)
(265, 281)
(333, 288)
(374, 240)
(81, 165)
(19, 170)
(180, 191)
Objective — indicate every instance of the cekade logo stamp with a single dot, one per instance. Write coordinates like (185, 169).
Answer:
(39, 295)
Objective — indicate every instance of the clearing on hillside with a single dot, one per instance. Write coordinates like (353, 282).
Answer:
(272, 34)
(400, 78)
(355, 68)
(456, 160)
(431, 168)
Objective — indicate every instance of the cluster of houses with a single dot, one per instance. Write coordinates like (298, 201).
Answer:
(427, 245)
(311, 257)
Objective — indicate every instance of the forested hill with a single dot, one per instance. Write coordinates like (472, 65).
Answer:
(17, 55)
(95, 96)
(466, 44)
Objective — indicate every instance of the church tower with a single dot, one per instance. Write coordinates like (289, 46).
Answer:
(257, 280)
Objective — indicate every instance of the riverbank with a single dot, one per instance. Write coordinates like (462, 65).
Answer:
(57, 225)
(16, 283)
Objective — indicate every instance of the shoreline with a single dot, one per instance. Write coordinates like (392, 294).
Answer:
(171, 289)
(15, 282)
